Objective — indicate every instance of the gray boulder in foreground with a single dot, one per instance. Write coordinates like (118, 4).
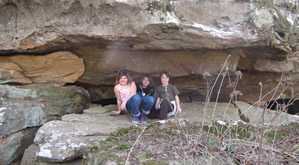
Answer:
(25, 108)
(13, 146)
(68, 139)
(31, 106)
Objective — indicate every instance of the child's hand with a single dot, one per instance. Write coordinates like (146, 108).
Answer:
(179, 109)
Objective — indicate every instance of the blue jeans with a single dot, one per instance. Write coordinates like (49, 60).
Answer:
(140, 104)
(147, 104)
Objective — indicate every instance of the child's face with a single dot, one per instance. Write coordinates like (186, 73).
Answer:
(164, 79)
(123, 80)
(145, 82)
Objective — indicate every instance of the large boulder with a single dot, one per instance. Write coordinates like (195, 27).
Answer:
(232, 114)
(34, 105)
(13, 146)
(262, 116)
(29, 158)
(16, 116)
(70, 138)
(58, 67)
(25, 108)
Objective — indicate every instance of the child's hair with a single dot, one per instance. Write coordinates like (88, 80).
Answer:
(122, 73)
(165, 73)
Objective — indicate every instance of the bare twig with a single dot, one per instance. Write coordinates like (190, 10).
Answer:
(135, 143)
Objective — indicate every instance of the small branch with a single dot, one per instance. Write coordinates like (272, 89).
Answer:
(135, 143)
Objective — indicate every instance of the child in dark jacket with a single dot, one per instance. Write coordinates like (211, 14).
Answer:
(146, 91)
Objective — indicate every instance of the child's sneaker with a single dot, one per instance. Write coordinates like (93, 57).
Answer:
(171, 114)
(143, 118)
(162, 121)
(136, 120)
(145, 112)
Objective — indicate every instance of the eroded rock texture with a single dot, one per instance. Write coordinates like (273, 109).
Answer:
(58, 67)
(183, 37)
(146, 24)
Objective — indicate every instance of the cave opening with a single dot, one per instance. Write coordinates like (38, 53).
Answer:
(289, 105)
(104, 102)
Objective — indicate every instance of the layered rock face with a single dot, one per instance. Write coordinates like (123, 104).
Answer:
(146, 37)
(241, 49)
(58, 67)
(143, 25)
